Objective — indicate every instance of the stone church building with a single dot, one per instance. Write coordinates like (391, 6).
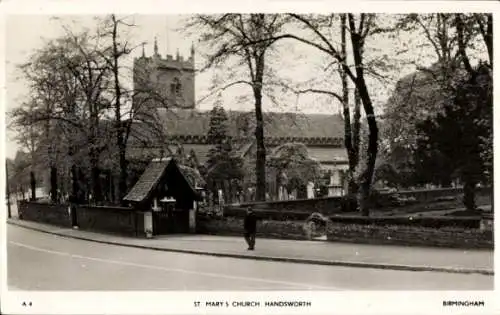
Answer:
(184, 126)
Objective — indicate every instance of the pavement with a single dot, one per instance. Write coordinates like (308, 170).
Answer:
(325, 253)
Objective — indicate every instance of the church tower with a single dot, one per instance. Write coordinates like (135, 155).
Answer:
(171, 79)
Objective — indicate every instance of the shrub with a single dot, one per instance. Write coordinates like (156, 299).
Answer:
(315, 225)
(349, 203)
(318, 218)
(209, 212)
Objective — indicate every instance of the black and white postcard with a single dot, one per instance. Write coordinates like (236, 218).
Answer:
(255, 158)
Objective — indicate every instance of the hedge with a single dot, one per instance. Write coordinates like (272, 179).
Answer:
(430, 222)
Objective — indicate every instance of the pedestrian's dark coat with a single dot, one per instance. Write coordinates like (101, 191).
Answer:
(250, 223)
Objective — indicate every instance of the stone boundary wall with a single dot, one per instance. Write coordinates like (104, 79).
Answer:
(326, 206)
(411, 236)
(449, 237)
(129, 222)
(424, 195)
(428, 222)
(119, 220)
(56, 214)
(266, 229)
(424, 200)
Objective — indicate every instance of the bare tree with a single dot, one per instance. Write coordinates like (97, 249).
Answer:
(243, 37)
(132, 114)
(81, 78)
(113, 56)
(359, 29)
(70, 78)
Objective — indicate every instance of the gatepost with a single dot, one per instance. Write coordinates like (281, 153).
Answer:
(148, 224)
(192, 218)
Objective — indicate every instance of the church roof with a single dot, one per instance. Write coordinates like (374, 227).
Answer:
(190, 127)
(276, 124)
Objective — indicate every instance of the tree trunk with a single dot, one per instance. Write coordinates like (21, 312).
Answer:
(489, 38)
(260, 163)
(120, 139)
(96, 181)
(367, 175)
(470, 195)
(122, 181)
(74, 184)
(53, 185)
(356, 129)
(261, 153)
(7, 192)
(23, 192)
(113, 189)
(33, 186)
(348, 132)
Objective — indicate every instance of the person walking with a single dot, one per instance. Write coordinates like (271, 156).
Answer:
(250, 226)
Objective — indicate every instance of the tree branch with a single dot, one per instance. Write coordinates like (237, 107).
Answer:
(318, 91)
(225, 87)
(462, 44)
(430, 38)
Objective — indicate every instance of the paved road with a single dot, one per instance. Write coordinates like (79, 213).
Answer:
(38, 261)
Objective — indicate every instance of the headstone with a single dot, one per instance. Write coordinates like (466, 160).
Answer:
(335, 178)
(335, 188)
(310, 190)
(221, 200)
(280, 193)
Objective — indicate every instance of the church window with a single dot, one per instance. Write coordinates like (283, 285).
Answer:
(176, 87)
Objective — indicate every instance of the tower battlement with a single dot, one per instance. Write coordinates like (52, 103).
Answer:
(169, 61)
(173, 76)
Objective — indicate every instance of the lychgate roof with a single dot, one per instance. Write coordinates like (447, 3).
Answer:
(148, 181)
(184, 177)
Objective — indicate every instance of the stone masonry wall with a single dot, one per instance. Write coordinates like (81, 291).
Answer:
(267, 229)
(410, 235)
(44, 213)
(355, 233)
(108, 219)
(118, 220)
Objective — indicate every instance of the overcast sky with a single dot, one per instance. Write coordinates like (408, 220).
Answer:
(26, 33)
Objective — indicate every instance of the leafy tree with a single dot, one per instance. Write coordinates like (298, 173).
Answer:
(218, 133)
(416, 96)
(468, 119)
(430, 108)
(68, 76)
(222, 165)
(19, 172)
(292, 161)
